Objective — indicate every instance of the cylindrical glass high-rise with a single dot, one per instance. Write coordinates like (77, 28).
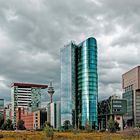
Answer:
(87, 83)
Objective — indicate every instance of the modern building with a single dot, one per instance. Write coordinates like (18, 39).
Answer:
(25, 115)
(114, 108)
(39, 118)
(2, 107)
(131, 92)
(55, 115)
(26, 96)
(8, 112)
(32, 120)
(79, 83)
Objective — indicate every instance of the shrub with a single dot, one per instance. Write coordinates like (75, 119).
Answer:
(48, 131)
(7, 125)
(20, 125)
(111, 126)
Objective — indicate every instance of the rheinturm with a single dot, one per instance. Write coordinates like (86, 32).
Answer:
(79, 84)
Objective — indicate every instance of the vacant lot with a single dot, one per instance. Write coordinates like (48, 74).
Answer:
(68, 136)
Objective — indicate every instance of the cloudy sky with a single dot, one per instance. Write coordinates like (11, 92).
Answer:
(33, 31)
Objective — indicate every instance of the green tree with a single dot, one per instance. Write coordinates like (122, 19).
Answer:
(48, 131)
(46, 123)
(1, 121)
(113, 126)
(66, 125)
(20, 125)
(88, 126)
(7, 125)
(117, 126)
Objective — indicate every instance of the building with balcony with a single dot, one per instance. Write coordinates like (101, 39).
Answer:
(26, 96)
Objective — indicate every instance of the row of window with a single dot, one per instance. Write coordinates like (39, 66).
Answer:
(87, 71)
(87, 84)
(90, 52)
(90, 79)
(90, 88)
(87, 55)
(87, 68)
(86, 90)
(88, 48)
(129, 88)
(84, 48)
(90, 76)
(87, 61)
(88, 97)
(87, 65)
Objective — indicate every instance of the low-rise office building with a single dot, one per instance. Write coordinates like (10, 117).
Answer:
(111, 107)
(39, 118)
(32, 120)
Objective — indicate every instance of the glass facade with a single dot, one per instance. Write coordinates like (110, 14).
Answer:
(68, 83)
(79, 83)
(87, 83)
(129, 116)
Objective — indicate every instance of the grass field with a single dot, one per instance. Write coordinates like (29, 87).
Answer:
(66, 136)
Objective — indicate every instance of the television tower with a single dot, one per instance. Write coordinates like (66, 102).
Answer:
(50, 91)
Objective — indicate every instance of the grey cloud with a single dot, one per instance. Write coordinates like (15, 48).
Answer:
(32, 33)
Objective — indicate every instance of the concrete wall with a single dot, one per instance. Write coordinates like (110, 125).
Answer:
(132, 77)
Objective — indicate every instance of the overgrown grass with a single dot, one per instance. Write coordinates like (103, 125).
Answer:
(66, 136)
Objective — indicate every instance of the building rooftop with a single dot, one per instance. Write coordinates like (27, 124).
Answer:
(29, 85)
(137, 67)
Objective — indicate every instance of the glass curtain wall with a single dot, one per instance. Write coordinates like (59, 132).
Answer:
(87, 83)
(68, 84)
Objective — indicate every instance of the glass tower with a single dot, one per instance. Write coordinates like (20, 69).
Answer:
(68, 83)
(79, 73)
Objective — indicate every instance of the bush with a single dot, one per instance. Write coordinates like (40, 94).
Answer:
(7, 125)
(20, 125)
(113, 126)
(67, 125)
(48, 131)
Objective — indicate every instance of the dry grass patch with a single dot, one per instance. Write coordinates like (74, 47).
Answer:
(64, 136)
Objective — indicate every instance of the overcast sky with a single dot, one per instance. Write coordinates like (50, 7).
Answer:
(33, 31)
